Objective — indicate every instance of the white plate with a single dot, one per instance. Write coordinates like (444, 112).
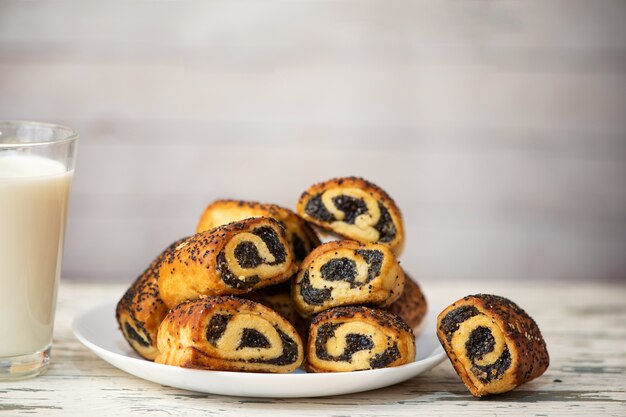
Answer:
(98, 331)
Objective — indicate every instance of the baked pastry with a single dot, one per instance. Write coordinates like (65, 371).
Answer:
(355, 209)
(412, 305)
(355, 338)
(347, 273)
(300, 235)
(141, 310)
(232, 259)
(229, 334)
(492, 343)
(278, 298)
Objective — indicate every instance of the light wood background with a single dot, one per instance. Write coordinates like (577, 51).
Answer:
(498, 126)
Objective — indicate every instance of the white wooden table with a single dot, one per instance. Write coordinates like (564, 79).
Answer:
(584, 327)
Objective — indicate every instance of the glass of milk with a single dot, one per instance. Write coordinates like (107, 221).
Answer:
(36, 168)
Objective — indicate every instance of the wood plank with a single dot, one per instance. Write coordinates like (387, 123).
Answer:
(455, 97)
(312, 23)
(582, 324)
(438, 248)
(468, 214)
(488, 178)
(498, 126)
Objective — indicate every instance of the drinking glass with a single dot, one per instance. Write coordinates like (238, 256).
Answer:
(36, 170)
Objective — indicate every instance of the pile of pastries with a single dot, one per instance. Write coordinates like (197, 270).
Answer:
(255, 290)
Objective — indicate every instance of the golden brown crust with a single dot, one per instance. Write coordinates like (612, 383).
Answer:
(229, 334)
(493, 344)
(232, 259)
(412, 305)
(347, 273)
(353, 338)
(141, 310)
(319, 205)
(301, 236)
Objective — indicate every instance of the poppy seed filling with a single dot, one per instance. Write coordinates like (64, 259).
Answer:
(479, 343)
(247, 255)
(310, 294)
(374, 259)
(270, 238)
(316, 209)
(382, 360)
(289, 355)
(231, 279)
(341, 269)
(385, 225)
(352, 208)
(216, 327)
(298, 247)
(134, 335)
(451, 322)
(252, 338)
(354, 343)
(493, 371)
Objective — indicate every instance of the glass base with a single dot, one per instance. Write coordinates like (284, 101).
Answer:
(24, 366)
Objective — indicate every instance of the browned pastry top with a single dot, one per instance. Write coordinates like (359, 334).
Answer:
(228, 333)
(354, 338)
(493, 344)
(365, 212)
(140, 310)
(412, 305)
(348, 181)
(231, 259)
(300, 235)
(522, 330)
(382, 317)
(347, 272)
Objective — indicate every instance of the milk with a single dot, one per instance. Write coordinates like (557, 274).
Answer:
(33, 205)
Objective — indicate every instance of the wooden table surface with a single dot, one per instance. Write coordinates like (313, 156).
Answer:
(584, 327)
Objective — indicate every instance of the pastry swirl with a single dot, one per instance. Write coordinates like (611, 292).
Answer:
(355, 338)
(492, 343)
(141, 310)
(355, 209)
(346, 273)
(300, 235)
(232, 259)
(412, 305)
(230, 334)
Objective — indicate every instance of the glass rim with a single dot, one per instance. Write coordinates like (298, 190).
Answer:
(72, 135)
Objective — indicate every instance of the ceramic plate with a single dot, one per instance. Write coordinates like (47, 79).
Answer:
(98, 331)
